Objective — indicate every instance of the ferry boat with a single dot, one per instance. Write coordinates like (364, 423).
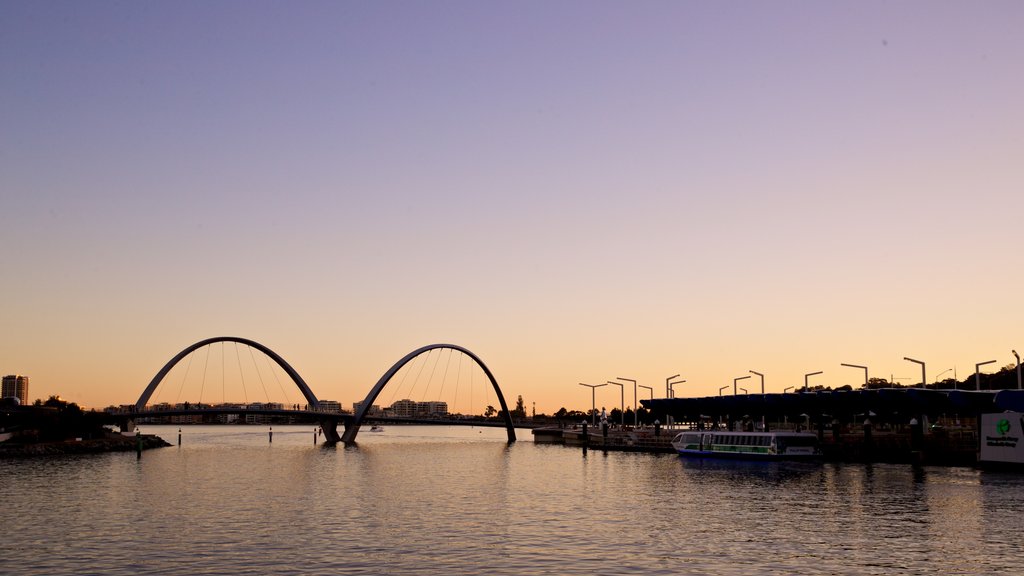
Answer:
(780, 445)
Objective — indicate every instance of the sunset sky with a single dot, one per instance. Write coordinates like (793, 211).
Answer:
(575, 191)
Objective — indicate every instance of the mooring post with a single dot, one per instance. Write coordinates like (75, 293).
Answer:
(138, 444)
(314, 436)
(179, 436)
(271, 435)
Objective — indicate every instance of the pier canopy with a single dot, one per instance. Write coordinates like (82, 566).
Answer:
(883, 404)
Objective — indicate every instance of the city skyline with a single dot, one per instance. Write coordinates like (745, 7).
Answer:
(575, 192)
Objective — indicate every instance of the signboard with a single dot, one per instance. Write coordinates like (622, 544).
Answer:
(1002, 437)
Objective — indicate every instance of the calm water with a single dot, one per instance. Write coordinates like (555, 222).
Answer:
(430, 500)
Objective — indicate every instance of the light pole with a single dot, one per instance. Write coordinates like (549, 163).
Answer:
(593, 398)
(761, 376)
(649, 389)
(672, 394)
(735, 380)
(977, 373)
(940, 374)
(923, 379)
(668, 388)
(808, 375)
(622, 408)
(787, 389)
(720, 390)
(744, 390)
(864, 368)
(1017, 356)
(635, 405)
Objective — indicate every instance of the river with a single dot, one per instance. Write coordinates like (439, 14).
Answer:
(438, 500)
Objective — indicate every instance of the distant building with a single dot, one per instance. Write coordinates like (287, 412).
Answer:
(330, 406)
(373, 411)
(433, 408)
(404, 408)
(16, 386)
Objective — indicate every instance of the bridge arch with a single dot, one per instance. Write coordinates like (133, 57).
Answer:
(352, 429)
(303, 387)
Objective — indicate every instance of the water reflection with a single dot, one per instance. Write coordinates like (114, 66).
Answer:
(463, 502)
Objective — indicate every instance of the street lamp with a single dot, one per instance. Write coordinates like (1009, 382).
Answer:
(940, 374)
(1017, 356)
(720, 390)
(672, 387)
(744, 390)
(864, 368)
(787, 389)
(977, 373)
(649, 389)
(735, 380)
(635, 405)
(668, 394)
(593, 398)
(808, 375)
(622, 408)
(761, 376)
(923, 379)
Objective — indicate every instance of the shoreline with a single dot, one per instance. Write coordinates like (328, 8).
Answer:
(85, 446)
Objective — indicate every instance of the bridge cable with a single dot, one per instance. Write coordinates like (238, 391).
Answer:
(241, 373)
(431, 380)
(223, 375)
(266, 359)
(419, 373)
(205, 366)
(458, 379)
(445, 377)
(183, 378)
(261, 377)
(394, 391)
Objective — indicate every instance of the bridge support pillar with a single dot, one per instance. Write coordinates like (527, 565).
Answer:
(330, 428)
(127, 425)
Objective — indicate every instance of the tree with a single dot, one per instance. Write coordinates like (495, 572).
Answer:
(490, 411)
(520, 409)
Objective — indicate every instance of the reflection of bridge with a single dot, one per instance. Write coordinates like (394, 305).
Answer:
(328, 420)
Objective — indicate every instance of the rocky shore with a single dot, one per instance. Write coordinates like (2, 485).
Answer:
(111, 443)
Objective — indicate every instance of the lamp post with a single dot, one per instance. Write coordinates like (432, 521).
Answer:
(720, 390)
(649, 389)
(635, 405)
(1017, 356)
(940, 374)
(787, 389)
(761, 376)
(744, 390)
(808, 375)
(672, 388)
(622, 398)
(923, 379)
(593, 398)
(977, 373)
(864, 368)
(735, 380)
(668, 388)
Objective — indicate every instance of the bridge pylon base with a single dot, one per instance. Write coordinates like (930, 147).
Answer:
(330, 428)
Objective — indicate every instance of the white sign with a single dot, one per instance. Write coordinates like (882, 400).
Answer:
(1002, 437)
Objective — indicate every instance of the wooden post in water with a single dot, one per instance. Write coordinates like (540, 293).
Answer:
(138, 444)
(271, 435)
(179, 436)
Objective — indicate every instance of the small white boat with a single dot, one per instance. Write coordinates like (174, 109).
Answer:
(779, 445)
(376, 428)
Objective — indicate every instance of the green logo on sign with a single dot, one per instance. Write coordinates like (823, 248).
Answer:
(1003, 427)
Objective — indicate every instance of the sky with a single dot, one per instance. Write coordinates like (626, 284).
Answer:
(575, 191)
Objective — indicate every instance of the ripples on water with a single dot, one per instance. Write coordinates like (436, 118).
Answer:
(423, 500)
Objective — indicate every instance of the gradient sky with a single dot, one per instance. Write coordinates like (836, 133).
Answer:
(575, 191)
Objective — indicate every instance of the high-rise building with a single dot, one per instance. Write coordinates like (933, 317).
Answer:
(17, 386)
